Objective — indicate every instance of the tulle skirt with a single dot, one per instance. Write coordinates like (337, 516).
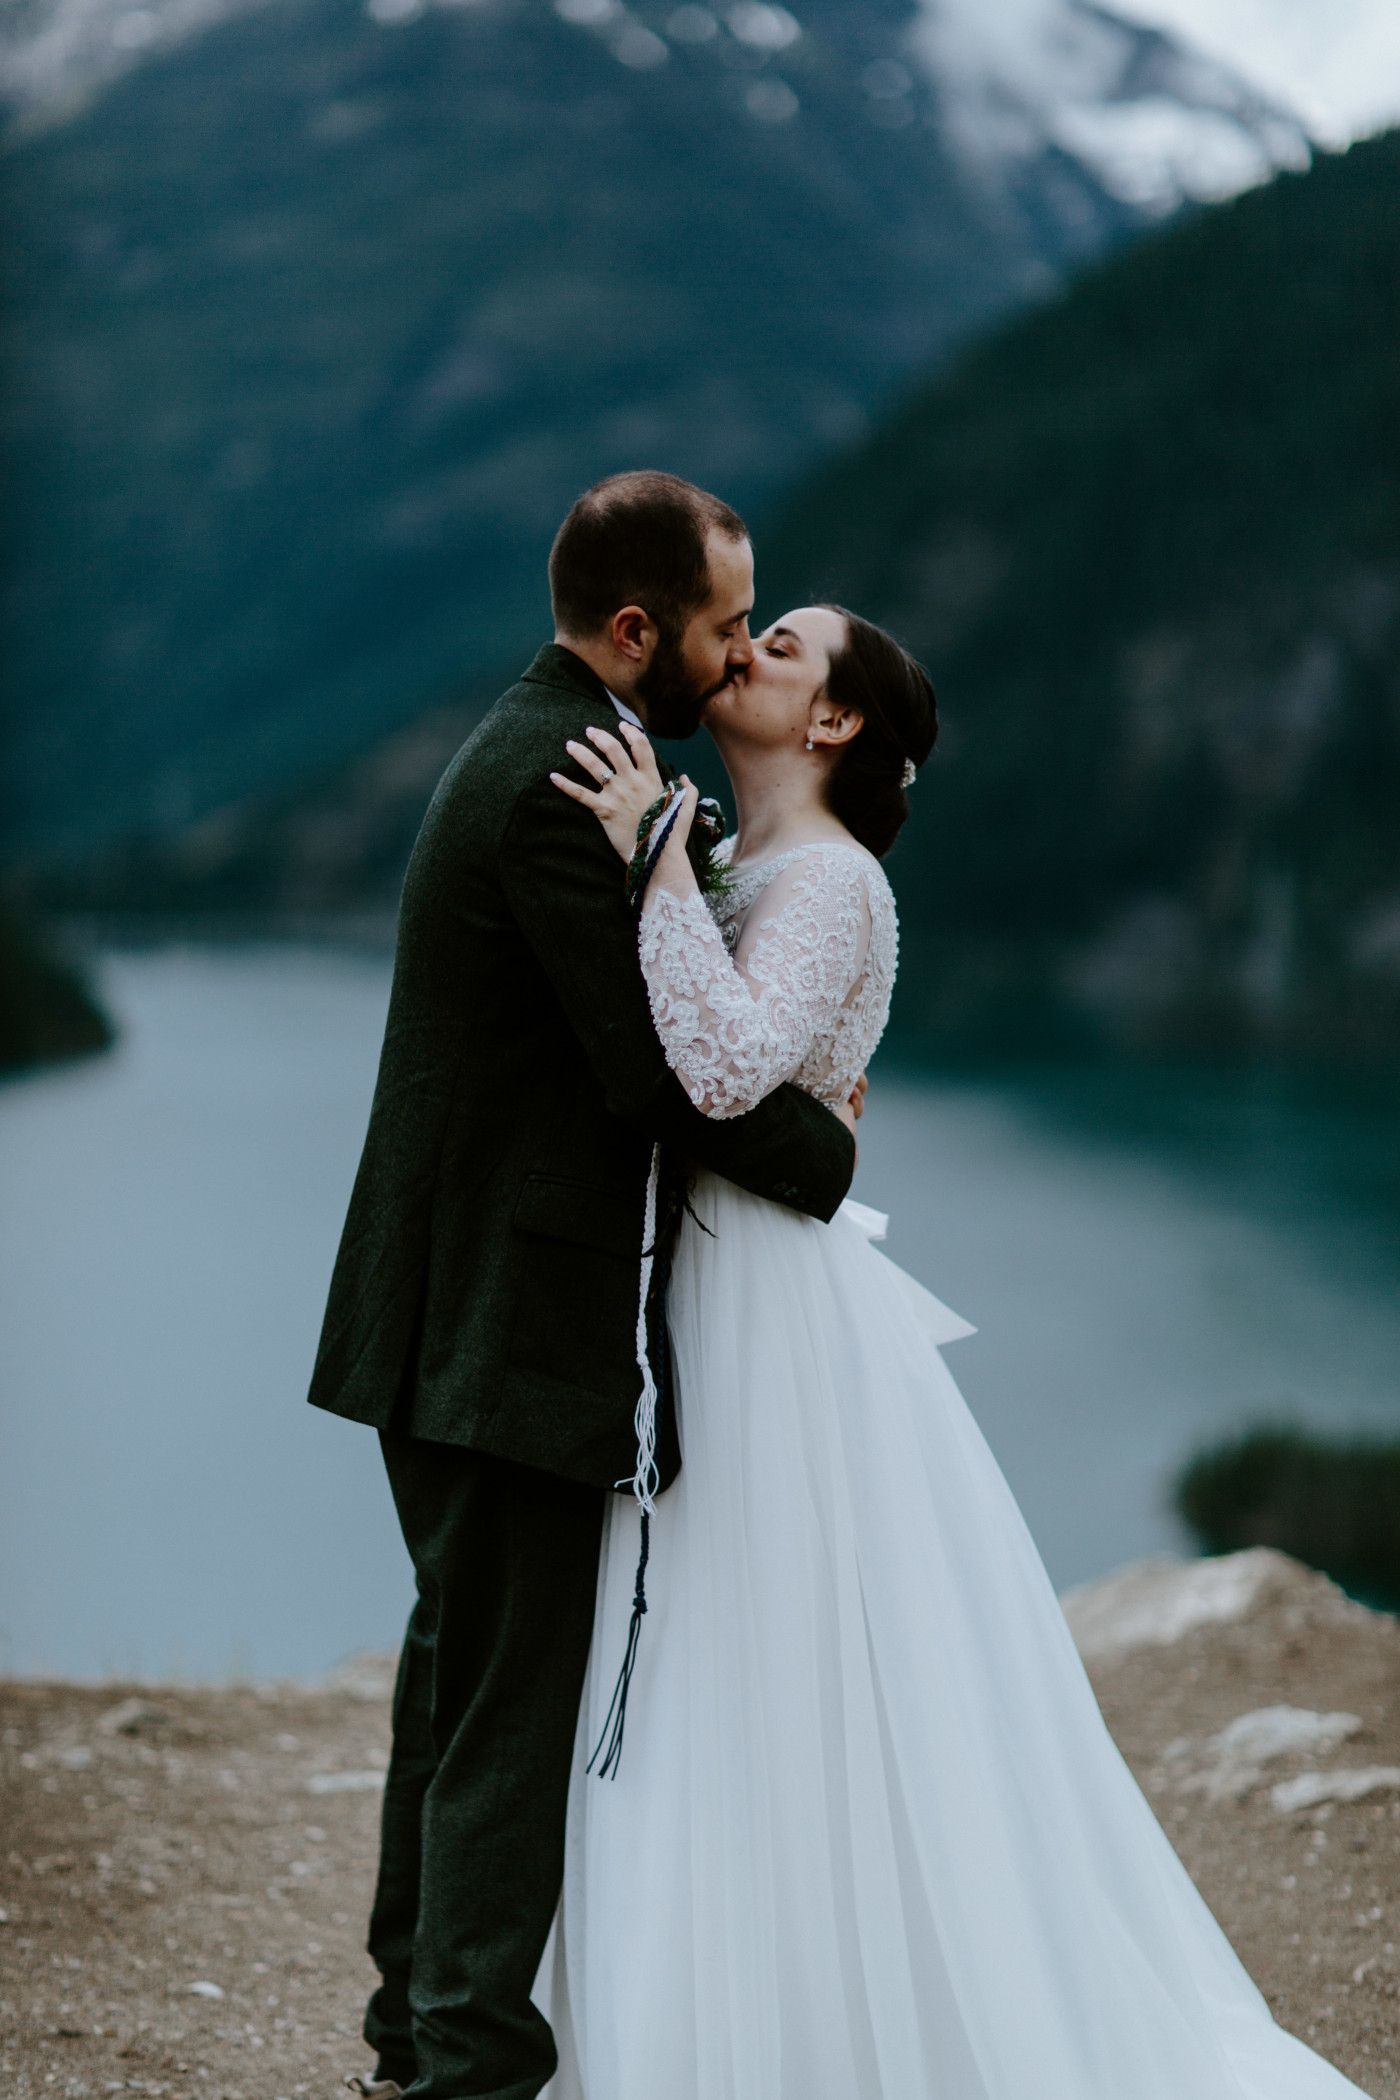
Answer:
(869, 1838)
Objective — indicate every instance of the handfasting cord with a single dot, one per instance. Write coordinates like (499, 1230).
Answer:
(653, 829)
(645, 1480)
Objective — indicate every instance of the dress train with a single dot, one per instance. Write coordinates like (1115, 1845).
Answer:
(870, 1838)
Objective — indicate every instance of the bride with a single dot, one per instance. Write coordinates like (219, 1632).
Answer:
(870, 1839)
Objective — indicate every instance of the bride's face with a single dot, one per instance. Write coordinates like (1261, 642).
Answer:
(776, 699)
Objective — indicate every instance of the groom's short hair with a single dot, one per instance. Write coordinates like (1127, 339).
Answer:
(636, 539)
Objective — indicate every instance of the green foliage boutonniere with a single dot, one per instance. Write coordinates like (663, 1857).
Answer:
(706, 832)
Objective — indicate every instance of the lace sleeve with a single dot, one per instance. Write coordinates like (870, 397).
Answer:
(733, 1030)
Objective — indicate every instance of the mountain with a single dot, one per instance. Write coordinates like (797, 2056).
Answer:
(1148, 539)
(318, 316)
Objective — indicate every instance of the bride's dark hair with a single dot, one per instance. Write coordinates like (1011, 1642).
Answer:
(893, 694)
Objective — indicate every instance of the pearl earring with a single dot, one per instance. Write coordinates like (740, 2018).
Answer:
(809, 743)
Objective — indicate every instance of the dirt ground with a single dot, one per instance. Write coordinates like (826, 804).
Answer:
(184, 1915)
(186, 1874)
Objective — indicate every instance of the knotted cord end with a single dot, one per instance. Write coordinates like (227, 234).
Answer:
(610, 1741)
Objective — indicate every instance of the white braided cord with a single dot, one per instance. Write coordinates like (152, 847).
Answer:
(646, 1478)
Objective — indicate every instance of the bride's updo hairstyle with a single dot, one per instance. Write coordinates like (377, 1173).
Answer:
(893, 694)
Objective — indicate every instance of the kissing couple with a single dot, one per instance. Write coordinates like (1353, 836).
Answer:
(773, 1774)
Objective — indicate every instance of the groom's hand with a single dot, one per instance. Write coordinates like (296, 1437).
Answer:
(851, 1111)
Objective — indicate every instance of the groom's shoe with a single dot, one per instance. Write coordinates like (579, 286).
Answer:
(373, 2088)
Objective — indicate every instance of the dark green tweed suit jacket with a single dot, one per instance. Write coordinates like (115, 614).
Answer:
(485, 1293)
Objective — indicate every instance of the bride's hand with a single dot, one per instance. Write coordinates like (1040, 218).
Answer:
(628, 783)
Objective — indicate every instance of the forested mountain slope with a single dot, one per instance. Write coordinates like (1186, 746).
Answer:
(1148, 540)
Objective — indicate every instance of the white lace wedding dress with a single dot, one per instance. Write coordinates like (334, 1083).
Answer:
(869, 1838)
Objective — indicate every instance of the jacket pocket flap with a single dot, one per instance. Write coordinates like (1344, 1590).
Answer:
(580, 1213)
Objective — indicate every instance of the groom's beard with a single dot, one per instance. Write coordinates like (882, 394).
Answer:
(669, 694)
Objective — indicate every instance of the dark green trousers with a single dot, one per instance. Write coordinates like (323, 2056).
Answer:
(485, 1712)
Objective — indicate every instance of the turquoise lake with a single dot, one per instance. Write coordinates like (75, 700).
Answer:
(1151, 1260)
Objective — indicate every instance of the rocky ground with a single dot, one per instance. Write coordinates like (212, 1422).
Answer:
(1235, 1689)
(186, 1873)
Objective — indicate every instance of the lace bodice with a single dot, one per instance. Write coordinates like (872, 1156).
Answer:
(788, 979)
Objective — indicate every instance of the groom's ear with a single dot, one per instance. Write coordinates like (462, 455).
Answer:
(632, 633)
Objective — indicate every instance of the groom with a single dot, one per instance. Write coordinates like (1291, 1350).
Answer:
(483, 1308)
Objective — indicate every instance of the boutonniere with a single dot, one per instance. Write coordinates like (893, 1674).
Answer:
(707, 828)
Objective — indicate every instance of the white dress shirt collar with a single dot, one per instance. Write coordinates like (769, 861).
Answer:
(624, 712)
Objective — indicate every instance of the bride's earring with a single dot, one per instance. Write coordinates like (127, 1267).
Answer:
(809, 743)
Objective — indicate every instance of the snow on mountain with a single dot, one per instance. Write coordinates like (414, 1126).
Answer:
(55, 55)
(1336, 62)
(1156, 120)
